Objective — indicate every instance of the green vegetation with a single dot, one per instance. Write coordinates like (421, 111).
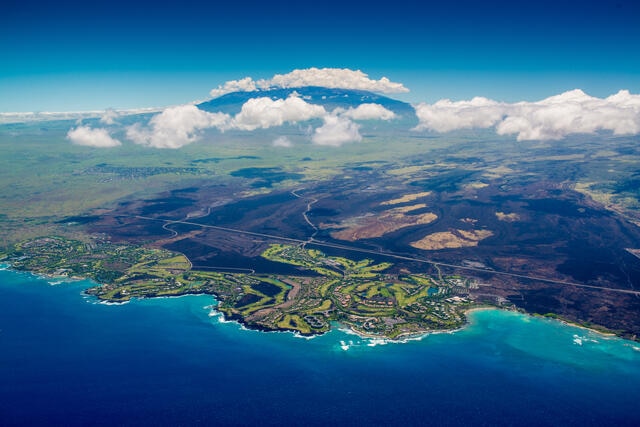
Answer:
(355, 293)
(45, 179)
(51, 187)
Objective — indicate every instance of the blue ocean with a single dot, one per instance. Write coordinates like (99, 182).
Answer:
(66, 360)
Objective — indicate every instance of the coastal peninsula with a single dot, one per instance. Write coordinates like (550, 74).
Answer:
(359, 294)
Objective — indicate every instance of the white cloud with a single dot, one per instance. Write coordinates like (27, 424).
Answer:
(176, 126)
(336, 131)
(182, 125)
(551, 118)
(332, 78)
(26, 117)
(109, 117)
(243, 85)
(282, 141)
(343, 78)
(446, 115)
(367, 112)
(84, 135)
(573, 112)
(266, 112)
(43, 116)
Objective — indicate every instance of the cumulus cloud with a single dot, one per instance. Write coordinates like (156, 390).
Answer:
(446, 115)
(333, 78)
(266, 112)
(282, 141)
(176, 126)
(551, 118)
(343, 78)
(573, 112)
(109, 116)
(336, 131)
(368, 112)
(84, 135)
(243, 85)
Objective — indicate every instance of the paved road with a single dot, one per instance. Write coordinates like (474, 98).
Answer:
(386, 254)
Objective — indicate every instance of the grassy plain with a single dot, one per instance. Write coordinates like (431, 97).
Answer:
(48, 185)
(44, 178)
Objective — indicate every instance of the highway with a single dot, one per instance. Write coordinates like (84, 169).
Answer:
(379, 253)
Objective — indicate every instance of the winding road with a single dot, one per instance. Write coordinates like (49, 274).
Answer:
(310, 203)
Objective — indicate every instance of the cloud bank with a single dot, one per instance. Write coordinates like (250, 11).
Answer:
(552, 118)
(176, 127)
(342, 78)
(572, 112)
(84, 135)
(45, 116)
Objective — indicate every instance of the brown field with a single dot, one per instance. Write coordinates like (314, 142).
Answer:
(406, 198)
(508, 217)
(367, 227)
(451, 239)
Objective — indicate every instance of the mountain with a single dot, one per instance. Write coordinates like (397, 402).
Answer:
(231, 103)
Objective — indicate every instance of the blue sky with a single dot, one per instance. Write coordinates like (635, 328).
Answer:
(72, 55)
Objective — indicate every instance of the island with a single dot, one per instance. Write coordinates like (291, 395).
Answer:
(398, 235)
(358, 294)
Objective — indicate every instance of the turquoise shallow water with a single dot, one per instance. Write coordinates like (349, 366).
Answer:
(66, 360)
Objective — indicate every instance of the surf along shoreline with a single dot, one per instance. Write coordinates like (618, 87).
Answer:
(345, 327)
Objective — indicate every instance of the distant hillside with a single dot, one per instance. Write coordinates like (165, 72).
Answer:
(231, 103)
